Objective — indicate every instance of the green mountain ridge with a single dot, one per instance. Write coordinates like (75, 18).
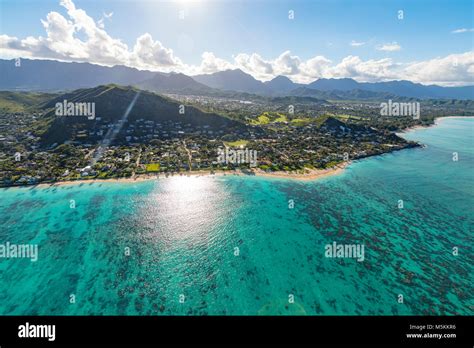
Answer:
(22, 101)
(111, 103)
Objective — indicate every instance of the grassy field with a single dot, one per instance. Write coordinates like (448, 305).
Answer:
(345, 117)
(21, 101)
(269, 117)
(236, 143)
(152, 167)
(300, 121)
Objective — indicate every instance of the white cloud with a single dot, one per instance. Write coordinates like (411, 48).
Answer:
(286, 64)
(453, 70)
(108, 16)
(389, 47)
(313, 68)
(63, 42)
(99, 47)
(369, 70)
(210, 64)
(149, 53)
(357, 43)
(462, 30)
(254, 65)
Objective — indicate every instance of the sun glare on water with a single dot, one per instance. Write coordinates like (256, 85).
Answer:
(183, 208)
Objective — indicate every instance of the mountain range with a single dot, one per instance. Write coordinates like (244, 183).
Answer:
(232, 80)
(48, 75)
(238, 80)
(174, 83)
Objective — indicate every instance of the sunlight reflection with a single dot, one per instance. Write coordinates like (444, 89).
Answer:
(184, 208)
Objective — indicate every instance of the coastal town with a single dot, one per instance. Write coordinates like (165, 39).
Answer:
(145, 147)
(288, 136)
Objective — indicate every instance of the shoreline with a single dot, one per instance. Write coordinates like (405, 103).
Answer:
(414, 128)
(436, 121)
(309, 175)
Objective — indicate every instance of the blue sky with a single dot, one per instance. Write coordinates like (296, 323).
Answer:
(262, 27)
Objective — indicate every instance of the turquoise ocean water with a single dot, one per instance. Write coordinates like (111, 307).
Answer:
(183, 232)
